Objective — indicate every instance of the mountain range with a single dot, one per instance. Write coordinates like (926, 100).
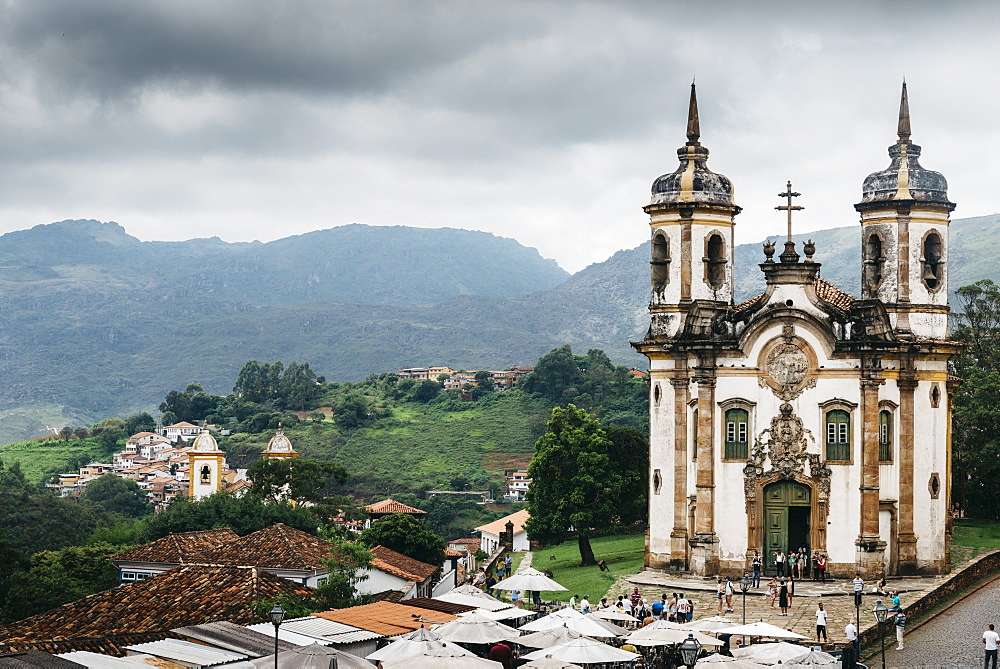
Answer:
(94, 322)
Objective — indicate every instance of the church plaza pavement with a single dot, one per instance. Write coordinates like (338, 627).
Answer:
(837, 598)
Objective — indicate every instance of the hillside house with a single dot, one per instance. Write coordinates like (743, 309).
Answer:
(490, 534)
(387, 507)
(517, 484)
(394, 571)
(183, 430)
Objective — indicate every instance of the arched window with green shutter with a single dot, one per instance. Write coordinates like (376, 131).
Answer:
(885, 436)
(838, 435)
(737, 434)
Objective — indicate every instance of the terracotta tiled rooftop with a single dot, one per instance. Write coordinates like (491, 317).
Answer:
(519, 518)
(397, 564)
(386, 618)
(437, 605)
(391, 506)
(178, 548)
(830, 293)
(276, 547)
(184, 595)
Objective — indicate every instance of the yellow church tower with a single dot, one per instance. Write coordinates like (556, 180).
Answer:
(205, 465)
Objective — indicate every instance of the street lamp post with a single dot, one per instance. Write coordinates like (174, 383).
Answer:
(689, 649)
(881, 612)
(277, 614)
(744, 586)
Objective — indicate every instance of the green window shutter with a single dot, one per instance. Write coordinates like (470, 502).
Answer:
(885, 436)
(737, 446)
(838, 435)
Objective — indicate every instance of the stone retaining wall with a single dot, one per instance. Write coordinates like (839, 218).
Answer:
(978, 569)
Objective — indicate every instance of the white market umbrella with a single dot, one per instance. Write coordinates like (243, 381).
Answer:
(549, 638)
(667, 637)
(417, 642)
(441, 658)
(811, 659)
(617, 630)
(713, 624)
(550, 663)
(770, 653)
(313, 656)
(585, 626)
(583, 651)
(614, 614)
(470, 595)
(717, 661)
(512, 613)
(476, 628)
(529, 579)
(764, 630)
(664, 625)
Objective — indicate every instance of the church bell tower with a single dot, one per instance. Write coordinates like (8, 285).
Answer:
(691, 219)
(205, 465)
(905, 213)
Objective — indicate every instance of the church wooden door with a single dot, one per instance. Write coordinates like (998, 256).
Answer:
(787, 510)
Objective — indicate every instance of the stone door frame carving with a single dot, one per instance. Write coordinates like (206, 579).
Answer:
(818, 513)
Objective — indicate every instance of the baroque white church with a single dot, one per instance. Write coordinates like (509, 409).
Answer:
(803, 417)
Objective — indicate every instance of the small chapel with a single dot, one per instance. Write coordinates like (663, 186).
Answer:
(803, 417)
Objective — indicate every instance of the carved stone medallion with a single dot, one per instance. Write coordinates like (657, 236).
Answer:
(786, 366)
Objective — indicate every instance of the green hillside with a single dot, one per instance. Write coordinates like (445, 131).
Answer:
(94, 322)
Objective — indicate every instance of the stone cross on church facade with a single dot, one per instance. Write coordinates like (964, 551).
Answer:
(789, 254)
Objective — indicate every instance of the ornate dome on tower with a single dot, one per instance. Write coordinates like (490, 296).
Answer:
(692, 181)
(280, 446)
(904, 179)
(205, 442)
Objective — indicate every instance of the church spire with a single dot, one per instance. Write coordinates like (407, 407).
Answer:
(903, 130)
(693, 127)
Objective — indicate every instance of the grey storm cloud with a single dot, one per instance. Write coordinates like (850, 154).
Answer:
(545, 121)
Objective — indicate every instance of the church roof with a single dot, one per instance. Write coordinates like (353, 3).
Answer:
(205, 443)
(692, 181)
(391, 506)
(184, 595)
(386, 618)
(276, 547)
(825, 290)
(279, 444)
(905, 179)
(178, 548)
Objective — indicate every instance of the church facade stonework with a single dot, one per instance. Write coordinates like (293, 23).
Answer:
(803, 417)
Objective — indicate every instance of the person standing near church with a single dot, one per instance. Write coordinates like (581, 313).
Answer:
(783, 597)
(859, 589)
(990, 639)
(851, 632)
(779, 563)
(756, 565)
(821, 615)
(900, 625)
(729, 595)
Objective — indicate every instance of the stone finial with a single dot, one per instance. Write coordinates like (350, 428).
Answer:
(903, 128)
(769, 251)
(809, 248)
(693, 126)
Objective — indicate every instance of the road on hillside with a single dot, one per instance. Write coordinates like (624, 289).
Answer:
(953, 638)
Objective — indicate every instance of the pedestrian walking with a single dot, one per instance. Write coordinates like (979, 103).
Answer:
(783, 597)
(990, 639)
(851, 632)
(900, 625)
(859, 589)
(729, 595)
(756, 565)
(720, 592)
(821, 615)
(772, 590)
(682, 608)
(672, 608)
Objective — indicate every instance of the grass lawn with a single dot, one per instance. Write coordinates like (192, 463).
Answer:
(972, 538)
(622, 553)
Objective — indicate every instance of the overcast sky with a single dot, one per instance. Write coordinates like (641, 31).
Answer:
(542, 121)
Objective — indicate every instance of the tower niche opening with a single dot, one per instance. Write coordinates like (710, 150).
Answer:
(874, 262)
(660, 262)
(715, 261)
(931, 261)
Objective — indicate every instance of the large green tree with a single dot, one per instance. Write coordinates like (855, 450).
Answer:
(115, 494)
(574, 483)
(976, 420)
(405, 534)
(243, 514)
(298, 480)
